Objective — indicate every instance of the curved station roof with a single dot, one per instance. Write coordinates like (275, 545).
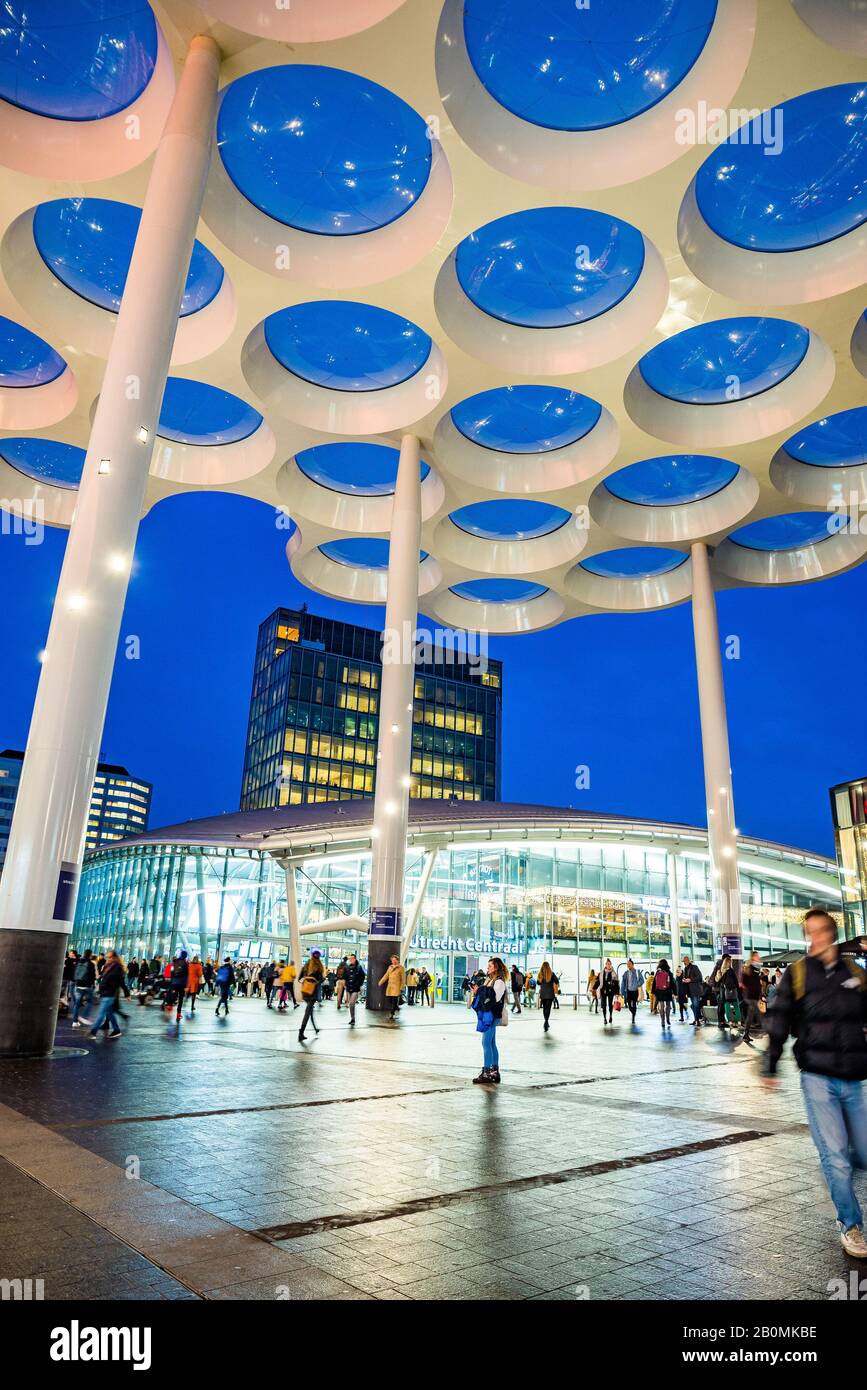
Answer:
(607, 262)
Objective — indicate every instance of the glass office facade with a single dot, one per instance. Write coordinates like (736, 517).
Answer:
(849, 812)
(119, 804)
(314, 718)
(577, 900)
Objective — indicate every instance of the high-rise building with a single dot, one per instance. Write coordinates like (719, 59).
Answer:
(314, 717)
(119, 805)
(849, 813)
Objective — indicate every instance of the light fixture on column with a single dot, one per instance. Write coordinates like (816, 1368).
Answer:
(143, 435)
(105, 465)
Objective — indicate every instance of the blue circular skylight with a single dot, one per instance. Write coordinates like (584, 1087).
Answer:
(322, 150)
(571, 67)
(510, 519)
(809, 190)
(88, 242)
(25, 358)
(526, 419)
(672, 479)
(363, 470)
(193, 412)
(45, 460)
(634, 562)
(789, 532)
(550, 267)
(361, 552)
(346, 346)
(499, 590)
(837, 441)
(76, 60)
(727, 360)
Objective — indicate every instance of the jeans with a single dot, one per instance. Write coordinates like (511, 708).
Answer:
(632, 1001)
(81, 999)
(352, 1000)
(489, 1048)
(223, 1001)
(695, 1001)
(752, 1017)
(106, 1014)
(837, 1116)
(308, 1016)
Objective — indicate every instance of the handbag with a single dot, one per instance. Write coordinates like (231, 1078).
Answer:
(618, 1004)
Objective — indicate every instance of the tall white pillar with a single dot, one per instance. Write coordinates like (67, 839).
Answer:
(393, 759)
(40, 879)
(722, 840)
(294, 925)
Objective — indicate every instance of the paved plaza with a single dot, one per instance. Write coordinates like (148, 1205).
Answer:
(229, 1161)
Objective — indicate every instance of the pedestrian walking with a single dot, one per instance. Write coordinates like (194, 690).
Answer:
(822, 1002)
(340, 990)
(176, 992)
(110, 982)
(609, 988)
(694, 987)
(312, 978)
(753, 997)
(411, 984)
(194, 982)
(663, 988)
(728, 994)
(394, 980)
(224, 980)
(548, 984)
(681, 993)
(269, 978)
(286, 980)
(517, 984)
(593, 991)
(423, 987)
(83, 984)
(489, 1000)
(354, 978)
(208, 974)
(631, 986)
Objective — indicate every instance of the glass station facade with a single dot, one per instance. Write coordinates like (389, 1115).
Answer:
(578, 900)
(314, 718)
(849, 811)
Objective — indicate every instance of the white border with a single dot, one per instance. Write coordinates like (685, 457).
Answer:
(550, 470)
(553, 351)
(341, 412)
(738, 421)
(797, 566)
(35, 407)
(88, 326)
(88, 150)
(355, 584)
(468, 615)
(33, 500)
(301, 21)
(332, 262)
(360, 513)
(675, 524)
(769, 277)
(817, 485)
(579, 161)
(214, 465)
(630, 594)
(510, 557)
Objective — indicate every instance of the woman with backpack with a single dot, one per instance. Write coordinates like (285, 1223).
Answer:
(517, 985)
(548, 983)
(489, 1001)
(83, 983)
(609, 988)
(663, 989)
(311, 977)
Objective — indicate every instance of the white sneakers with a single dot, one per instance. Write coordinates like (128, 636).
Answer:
(853, 1242)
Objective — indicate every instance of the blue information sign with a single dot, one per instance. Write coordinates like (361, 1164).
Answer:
(385, 922)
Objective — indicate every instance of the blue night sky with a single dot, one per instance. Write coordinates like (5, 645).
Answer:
(615, 693)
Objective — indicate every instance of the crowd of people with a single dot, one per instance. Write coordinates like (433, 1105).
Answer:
(820, 1000)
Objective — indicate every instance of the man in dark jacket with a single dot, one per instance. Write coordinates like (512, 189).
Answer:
(110, 982)
(751, 987)
(822, 1003)
(85, 979)
(695, 987)
(353, 979)
(178, 984)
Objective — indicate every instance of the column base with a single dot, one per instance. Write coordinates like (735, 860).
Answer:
(31, 970)
(380, 950)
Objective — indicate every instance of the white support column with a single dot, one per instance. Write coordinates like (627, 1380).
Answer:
(201, 905)
(391, 802)
(418, 903)
(722, 840)
(674, 910)
(40, 878)
(294, 925)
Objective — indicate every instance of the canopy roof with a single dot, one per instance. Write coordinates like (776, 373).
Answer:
(665, 350)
